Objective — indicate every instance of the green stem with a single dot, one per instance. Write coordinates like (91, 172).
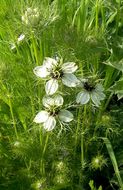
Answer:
(12, 115)
(96, 17)
(118, 16)
(9, 103)
(35, 49)
(45, 145)
(82, 146)
(82, 137)
(42, 164)
(77, 129)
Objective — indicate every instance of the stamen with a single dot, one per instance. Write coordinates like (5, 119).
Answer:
(89, 87)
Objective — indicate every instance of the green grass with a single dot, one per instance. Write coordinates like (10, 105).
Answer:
(89, 33)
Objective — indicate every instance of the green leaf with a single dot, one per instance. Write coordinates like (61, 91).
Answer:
(117, 88)
(114, 162)
(116, 64)
(91, 184)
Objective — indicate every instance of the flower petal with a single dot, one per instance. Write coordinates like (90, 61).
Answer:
(49, 63)
(58, 100)
(41, 117)
(65, 115)
(69, 67)
(70, 80)
(99, 88)
(21, 37)
(41, 71)
(101, 95)
(95, 98)
(51, 86)
(83, 97)
(47, 101)
(50, 123)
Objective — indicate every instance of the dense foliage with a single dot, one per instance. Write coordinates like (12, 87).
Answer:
(82, 149)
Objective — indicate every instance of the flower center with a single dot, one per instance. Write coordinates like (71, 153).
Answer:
(54, 112)
(89, 87)
(57, 73)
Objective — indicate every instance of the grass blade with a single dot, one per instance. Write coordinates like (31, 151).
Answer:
(114, 162)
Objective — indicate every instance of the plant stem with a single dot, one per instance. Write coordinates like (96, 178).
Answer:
(77, 129)
(42, 164)
(45, 145)
(12, 115)
(82, 136)
(82, 146)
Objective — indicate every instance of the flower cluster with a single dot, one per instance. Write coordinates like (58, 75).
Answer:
(30, 16)
(54, 71)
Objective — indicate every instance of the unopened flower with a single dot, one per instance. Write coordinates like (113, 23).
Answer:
(30, 16)
(61, 179)
(52, 112)
(19, 40)
(39, 184)
(90, 91)
(12, 46)
(16, 144)
(61, 167)
(54, 70)
(98, 162)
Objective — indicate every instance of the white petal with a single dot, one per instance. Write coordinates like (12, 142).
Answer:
(70, 80)
(95, 98)
(101, 95)
(83, 97)
(21, 37)
(51, 86)
(41, 117)
(50, 123)
(58, 100)
(99, 87)
(41, 71)
(69, 67)
(47, 101)
(49, 63)
(65, 115)
(82, 82)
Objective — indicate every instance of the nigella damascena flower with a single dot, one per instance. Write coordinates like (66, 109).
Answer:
(30, 16)
(90, 91)
(53, 110)
(54, 70)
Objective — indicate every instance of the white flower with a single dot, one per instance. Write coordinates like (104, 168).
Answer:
(55, 71)
(19, 40)
(30, 16)
(53, 111)
(90, 92)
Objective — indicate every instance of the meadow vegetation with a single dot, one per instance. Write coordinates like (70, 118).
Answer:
(61, 94)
